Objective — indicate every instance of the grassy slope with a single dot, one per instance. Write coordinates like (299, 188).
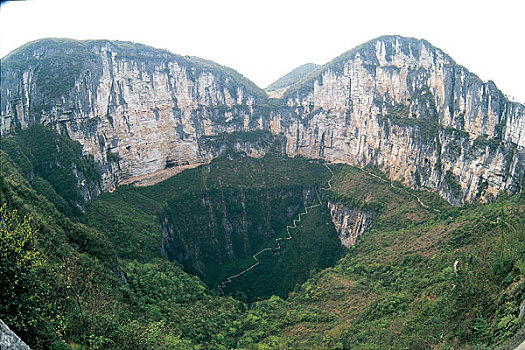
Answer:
(293, 76)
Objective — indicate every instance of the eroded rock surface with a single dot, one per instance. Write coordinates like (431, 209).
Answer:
(350, 223)
(396, 103)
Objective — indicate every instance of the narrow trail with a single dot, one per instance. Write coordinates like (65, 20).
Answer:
(498, 220)
(403, 189)
(229, 279)
(278, 240)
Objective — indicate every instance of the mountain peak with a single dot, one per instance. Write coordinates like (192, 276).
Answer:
(387, 50)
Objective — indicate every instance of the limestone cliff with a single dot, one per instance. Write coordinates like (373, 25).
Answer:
(207, 230)
(350, 223)
(397, 103)
(134, 108)
(406, 107)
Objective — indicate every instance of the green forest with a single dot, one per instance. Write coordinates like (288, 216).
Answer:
(138, 268)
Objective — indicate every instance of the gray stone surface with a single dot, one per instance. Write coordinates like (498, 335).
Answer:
(406, 107)
(350, 223)
(9, 340)
(521, 346)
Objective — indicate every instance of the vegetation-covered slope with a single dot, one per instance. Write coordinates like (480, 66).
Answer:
(54, 166)
(212, 219)
(64, 284)
(421, 278)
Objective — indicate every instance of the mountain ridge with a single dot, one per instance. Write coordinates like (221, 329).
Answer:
(406, 85)
(134, 48)
(151, 108)
(319, 67)
(360, 48)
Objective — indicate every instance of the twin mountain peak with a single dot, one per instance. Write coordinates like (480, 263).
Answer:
(395, 103)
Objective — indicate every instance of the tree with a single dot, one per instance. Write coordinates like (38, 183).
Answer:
(26, 303)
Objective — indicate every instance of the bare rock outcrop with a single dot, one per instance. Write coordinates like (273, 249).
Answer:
(9, 340)
(350, 223)
(406, 107)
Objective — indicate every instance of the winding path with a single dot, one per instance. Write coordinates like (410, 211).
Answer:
(229, 279)
(278, 240)
(401, 188)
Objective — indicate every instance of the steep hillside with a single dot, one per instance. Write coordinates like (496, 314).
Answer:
(420, 278)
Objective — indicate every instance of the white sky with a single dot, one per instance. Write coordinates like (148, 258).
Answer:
(264, 39)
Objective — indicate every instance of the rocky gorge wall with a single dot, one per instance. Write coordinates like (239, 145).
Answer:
(350, 223)
(396, 103)
(136, 109)
(409, 109)
(206, 231)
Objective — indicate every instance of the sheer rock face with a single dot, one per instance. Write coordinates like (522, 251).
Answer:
(396, 103)
(350, 223)
(147, 106)
(232, 224)
(408, 108)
